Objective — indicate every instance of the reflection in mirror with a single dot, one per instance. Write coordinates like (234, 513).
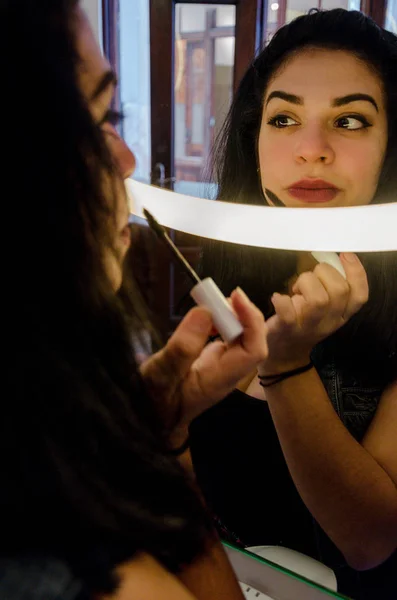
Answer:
(263, 577)
(307, 460)
(307, 463)
(391, 16)
(203, 84)
(285, 11)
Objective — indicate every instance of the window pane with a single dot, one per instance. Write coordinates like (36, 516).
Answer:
(225, 16)
(347, 4)
(134, 40)
(354, 4)
(296, 8)
(391, 16)
(203, 79)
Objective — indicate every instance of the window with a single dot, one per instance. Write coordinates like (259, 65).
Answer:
(391, 16)
(284, 11)
(134, 80)
(203, 85)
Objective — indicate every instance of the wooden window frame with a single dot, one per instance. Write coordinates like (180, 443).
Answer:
(248, 37)
(110, 40)
(376, 9)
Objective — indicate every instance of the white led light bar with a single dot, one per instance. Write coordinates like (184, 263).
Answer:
(351, 229)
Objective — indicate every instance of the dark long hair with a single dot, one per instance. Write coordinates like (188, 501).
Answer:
(82, 448)
(261, 271)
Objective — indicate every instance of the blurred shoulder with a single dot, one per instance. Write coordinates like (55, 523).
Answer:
(38, 578)
(144, 577)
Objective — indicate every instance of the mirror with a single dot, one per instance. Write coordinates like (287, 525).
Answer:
(316, 134)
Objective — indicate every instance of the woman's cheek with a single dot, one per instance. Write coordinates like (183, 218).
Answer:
(274, 163)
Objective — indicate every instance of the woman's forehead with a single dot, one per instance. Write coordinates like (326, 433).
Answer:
(326, 71)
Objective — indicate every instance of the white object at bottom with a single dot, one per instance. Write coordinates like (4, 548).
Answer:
(251, 593)
(298, 563)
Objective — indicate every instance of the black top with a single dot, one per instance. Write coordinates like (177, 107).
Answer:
(245, 480)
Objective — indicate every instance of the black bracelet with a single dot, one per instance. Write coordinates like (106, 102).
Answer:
(268, 380)
(178, 451)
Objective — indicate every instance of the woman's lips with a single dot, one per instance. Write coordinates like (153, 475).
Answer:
(313, 191)
(314, 195)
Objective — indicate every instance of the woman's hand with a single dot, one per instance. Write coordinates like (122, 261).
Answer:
(322, 302)
(188, 375)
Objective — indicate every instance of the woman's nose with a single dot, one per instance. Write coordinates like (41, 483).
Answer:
(313, 146)
(124, 157)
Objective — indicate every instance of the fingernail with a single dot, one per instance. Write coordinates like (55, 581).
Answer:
(349, 257)
(243, 295)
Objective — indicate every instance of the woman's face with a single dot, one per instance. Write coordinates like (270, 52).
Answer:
(97, 82)
(323, 134)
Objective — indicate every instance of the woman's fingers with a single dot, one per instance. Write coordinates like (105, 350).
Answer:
(251, 318)
(328, 296)
(337, 289)
(220, 366)
(215, 364)
(348, 295)
(188, 340)
(173, 362)
(285, 309)
(358, 282)
(316, 298)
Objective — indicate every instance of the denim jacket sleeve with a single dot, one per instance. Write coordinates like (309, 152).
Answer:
(355, 393)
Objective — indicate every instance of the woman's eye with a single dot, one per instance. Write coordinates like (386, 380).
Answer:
(282, 121)
(352, 122)
(113, 117)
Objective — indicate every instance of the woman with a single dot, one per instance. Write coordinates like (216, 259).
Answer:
(313, 124)
(93, 499)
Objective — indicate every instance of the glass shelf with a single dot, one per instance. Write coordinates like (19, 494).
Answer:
(273, 581)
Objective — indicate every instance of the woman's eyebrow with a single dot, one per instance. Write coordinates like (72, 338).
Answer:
(109, 78)
(355, 98)
(284, 96)
(342, 101)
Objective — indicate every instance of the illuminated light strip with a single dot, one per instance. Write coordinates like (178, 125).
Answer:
(351, 229)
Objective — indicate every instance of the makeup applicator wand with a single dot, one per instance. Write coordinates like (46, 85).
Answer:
(205, 292)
